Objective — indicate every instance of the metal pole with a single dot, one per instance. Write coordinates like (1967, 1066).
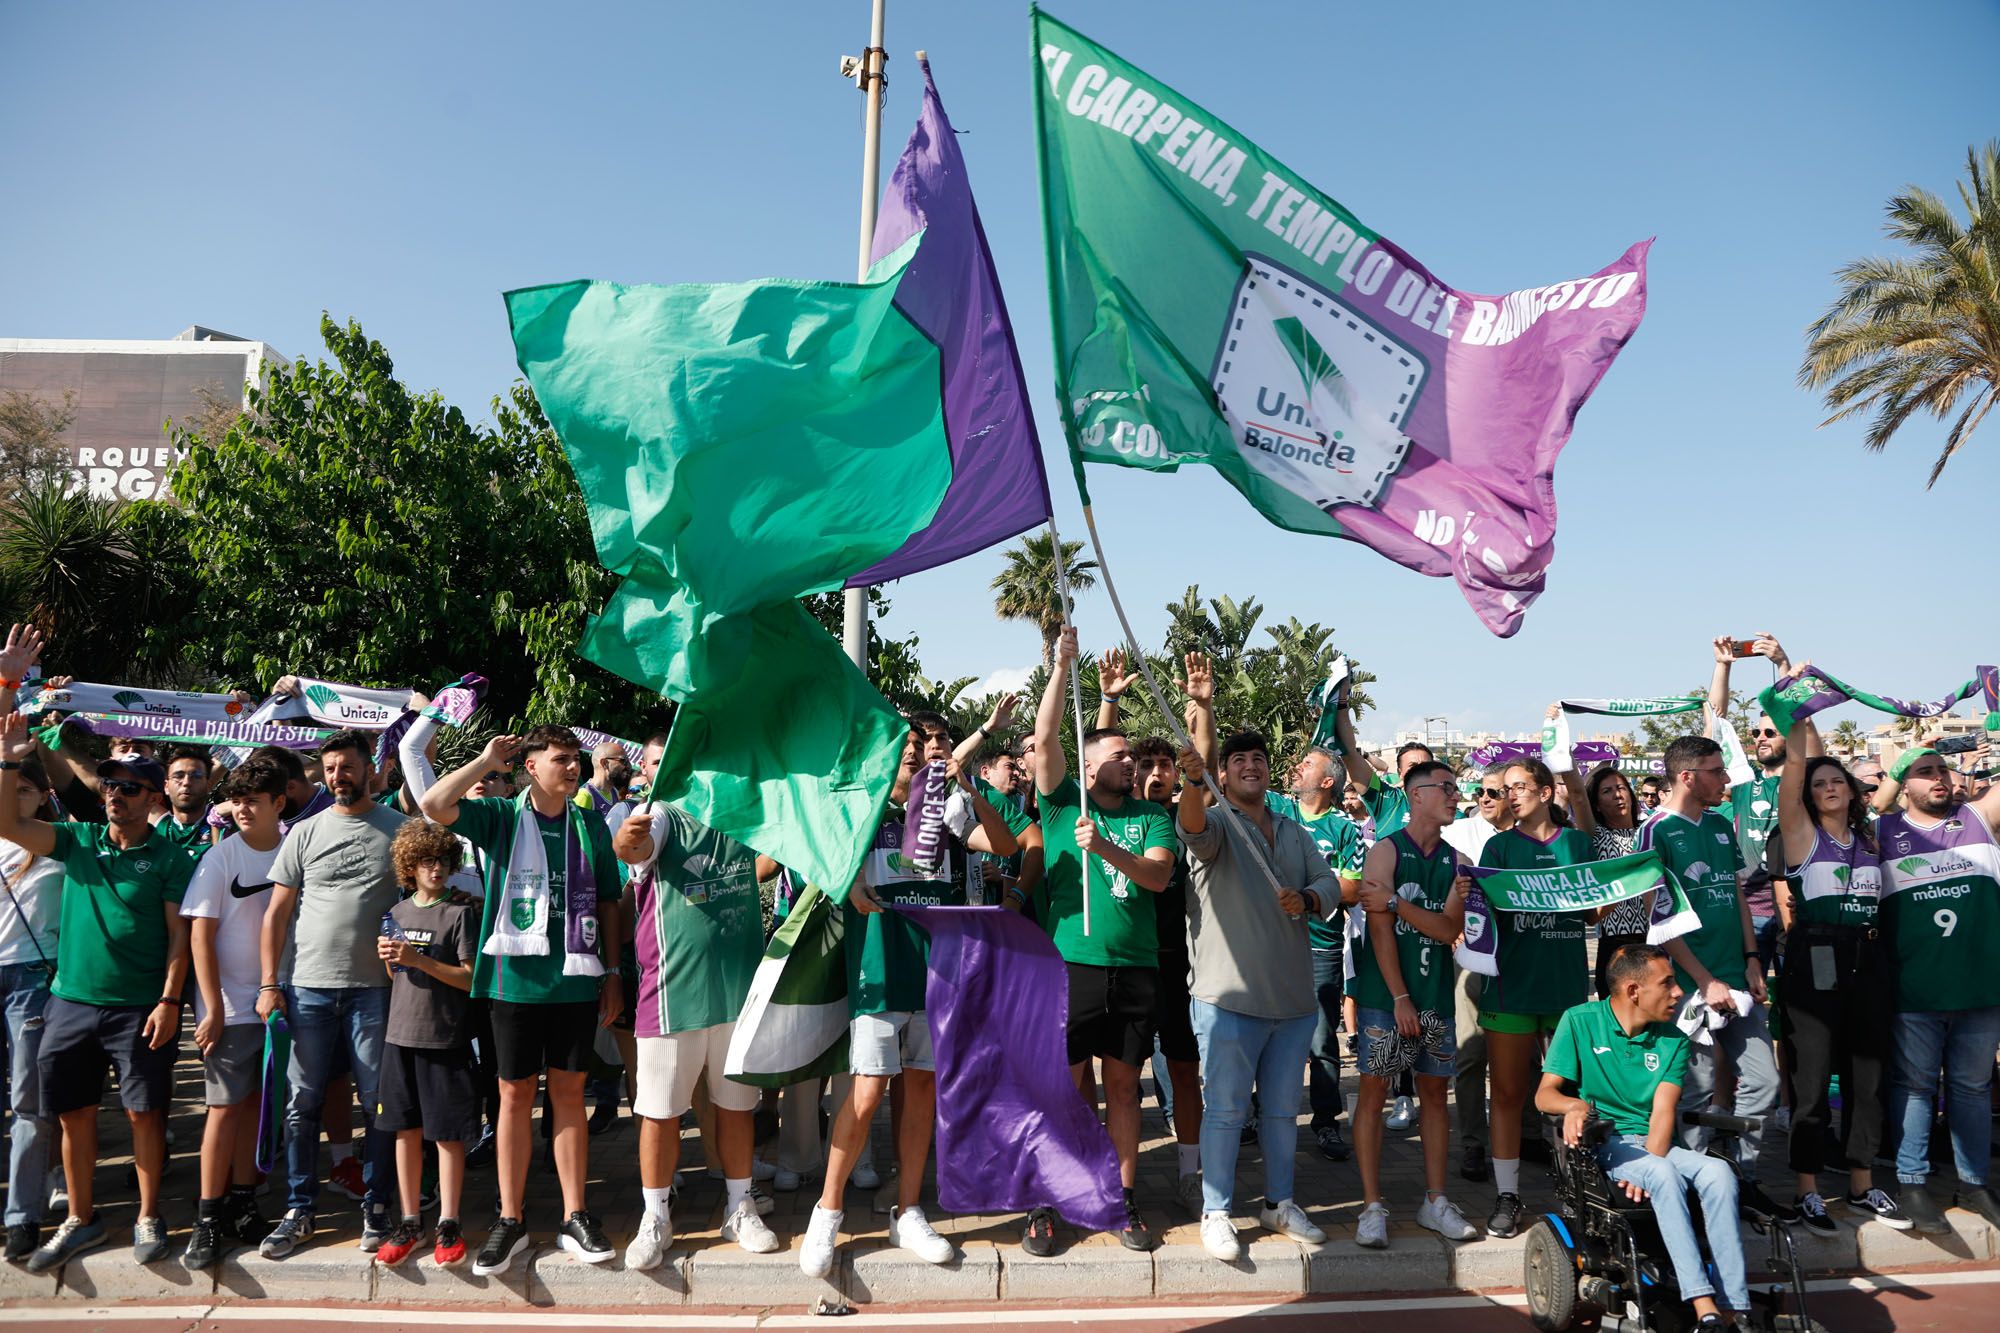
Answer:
(854, 618)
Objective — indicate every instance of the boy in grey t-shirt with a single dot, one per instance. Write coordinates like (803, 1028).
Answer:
(427, 1089)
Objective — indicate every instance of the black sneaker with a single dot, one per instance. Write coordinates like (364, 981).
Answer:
(582, 1237)
(1813, 1216)
(1506, 1218)
(481, 1153)
(1038, 1238)
(507, 1240)
(204, 1247)
(1922, 1210)
(247, 1222)
(1878, 1205)
(23, 1238)
(1472, 1163)
(1331, 1145)
(603, 1119)
(1135, 1235)
(375, 1228)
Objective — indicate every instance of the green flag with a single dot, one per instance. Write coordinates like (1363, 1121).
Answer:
(740, 446)
(794, 1021)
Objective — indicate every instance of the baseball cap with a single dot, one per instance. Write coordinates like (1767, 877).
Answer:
(147, 771)
(1907, 760)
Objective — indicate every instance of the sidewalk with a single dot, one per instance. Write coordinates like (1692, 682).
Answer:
(704, 1271)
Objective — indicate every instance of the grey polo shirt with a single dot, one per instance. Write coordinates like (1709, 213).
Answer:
(1245, 954)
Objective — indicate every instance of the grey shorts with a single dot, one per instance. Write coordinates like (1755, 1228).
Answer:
(234, 1071)
(886, 1044)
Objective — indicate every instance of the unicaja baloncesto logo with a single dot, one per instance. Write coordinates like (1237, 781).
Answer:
(1314, 391)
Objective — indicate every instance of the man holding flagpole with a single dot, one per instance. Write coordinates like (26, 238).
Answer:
(1106, 933)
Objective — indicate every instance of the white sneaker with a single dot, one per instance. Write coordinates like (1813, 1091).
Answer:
(822, 1239)
(1442, 1216)
(649, 1247)
(784, 1181)
(746, 1227)
(864, 1176)
(761, 1169)
(1783, 1117)
(1372, 1231)
(1288, 1219)
(1218, 1237)
(910, 1230)
(1188, 1191)
(1402, 1115)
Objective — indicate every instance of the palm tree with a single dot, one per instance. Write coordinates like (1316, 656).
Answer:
(1847, 738)
(70, 563)
(1027, 589)
(1921, 331)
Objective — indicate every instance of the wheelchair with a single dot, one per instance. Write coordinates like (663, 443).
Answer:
(1600, 1254)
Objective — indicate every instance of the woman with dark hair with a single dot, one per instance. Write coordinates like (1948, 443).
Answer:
(1834, 977)
(29, 911)
(1614, 828)
(1543, 971)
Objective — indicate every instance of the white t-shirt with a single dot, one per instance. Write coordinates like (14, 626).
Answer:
(232, 884)
(38, 892)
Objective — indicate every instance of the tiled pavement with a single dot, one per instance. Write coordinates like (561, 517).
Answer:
(707, 1271)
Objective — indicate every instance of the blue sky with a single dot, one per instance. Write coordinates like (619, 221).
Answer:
(247, 166)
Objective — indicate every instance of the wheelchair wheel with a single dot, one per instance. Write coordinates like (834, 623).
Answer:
(1549, 1276)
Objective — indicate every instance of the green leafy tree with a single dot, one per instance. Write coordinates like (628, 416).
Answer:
(1028, 589)
(31, 436)
(1920, 332)
(349, 527)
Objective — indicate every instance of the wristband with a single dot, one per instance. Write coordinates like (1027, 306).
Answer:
(6, 684)
(1110, 697)
(9, 765)
(982, 731)
(1404, 996)
(173, 1000)
(262, 989)
(1014, 892)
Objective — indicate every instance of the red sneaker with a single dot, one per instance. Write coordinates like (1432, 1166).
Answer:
(347, 1179)
(450, 1252)
(403, 1239)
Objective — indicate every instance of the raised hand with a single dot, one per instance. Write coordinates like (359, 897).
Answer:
(16, 743)
(1112, 676)
(1002, 715)
(1066, 646)
(22, 650)
(1199, 683)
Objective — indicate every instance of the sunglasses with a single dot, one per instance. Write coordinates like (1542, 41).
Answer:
(124, 786)
(1490, 793)
(1771, 732)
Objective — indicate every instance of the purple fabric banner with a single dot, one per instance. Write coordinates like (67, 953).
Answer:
(1013, 1133)
(1583, 753)
(998, 489)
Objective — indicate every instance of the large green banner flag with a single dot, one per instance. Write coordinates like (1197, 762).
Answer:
(1211, 306)
(740, 446)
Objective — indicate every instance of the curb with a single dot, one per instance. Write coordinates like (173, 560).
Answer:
(723, 1276)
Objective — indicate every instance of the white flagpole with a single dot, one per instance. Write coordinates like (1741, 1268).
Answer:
(1075, 699)
(868, 75)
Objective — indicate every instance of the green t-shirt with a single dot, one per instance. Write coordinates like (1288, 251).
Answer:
(1429, 974)
(488, 824)
(888, 955)
(1701, 856)
(1619, 1073)
(1544, 968)
(700, 928)
(190, 838)
(1387, 805)
(981, 890)
(1339, 841)
(111, 950)
(1123, 932)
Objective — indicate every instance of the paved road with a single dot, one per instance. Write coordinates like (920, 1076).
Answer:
(1946, 1301)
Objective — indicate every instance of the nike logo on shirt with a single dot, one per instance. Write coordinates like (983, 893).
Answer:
(238, 889)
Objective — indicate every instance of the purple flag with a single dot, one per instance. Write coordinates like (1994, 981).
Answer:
(1013, 1133)
(1584, 753)
(950, 292)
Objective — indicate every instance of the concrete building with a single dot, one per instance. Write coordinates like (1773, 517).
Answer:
(125, 390)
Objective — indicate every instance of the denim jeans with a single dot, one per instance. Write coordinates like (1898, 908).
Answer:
(24, 992)
(1963, 1042)
(1324, 1069)
(1746, 1042)
(1665, 1180)
(332, 1028)
(1237, 1052)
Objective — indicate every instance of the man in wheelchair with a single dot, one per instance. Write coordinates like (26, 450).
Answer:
(1624, 1055)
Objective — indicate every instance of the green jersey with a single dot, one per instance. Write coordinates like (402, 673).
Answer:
(1339, 841)
(1701, 856)
(190, 838)
(1429, 974)
(1123, 932)
(699, 930)
(888, 955)
(1544, 968)
(1619, 1073)
(488, 824)
(1387, 805)
(981, 887)
(111, 950)
(1940, 910)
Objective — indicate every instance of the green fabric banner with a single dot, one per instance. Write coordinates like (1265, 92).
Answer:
(1577, 888)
